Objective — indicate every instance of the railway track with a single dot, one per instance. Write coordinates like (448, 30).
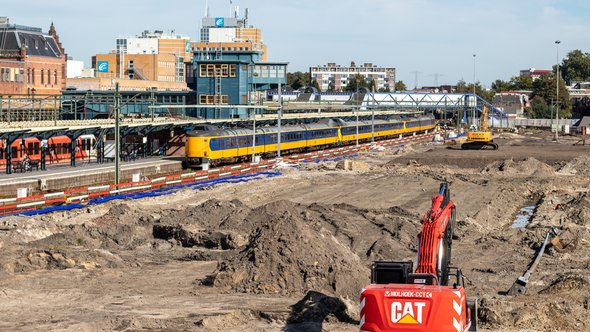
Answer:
(79, 197)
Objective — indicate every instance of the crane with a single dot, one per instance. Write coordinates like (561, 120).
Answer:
(399, 300)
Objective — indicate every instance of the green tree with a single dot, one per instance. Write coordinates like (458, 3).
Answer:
(575, 67)
(522, 82)
(500, 86)
(544, 87)
(463, 87)
(539, 109)
(298, 79)
(330, 87)
(400, 86)
(356, 82)
(315, 84)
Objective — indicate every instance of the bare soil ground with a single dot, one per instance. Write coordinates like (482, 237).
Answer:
(292, 253)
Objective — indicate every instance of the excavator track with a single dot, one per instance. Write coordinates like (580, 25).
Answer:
(479, 146)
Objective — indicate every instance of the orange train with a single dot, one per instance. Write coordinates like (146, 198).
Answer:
(58, 149)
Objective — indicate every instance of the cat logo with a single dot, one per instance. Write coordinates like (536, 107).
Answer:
(407, 312)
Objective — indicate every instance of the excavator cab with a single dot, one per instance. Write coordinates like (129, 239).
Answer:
(401, 299)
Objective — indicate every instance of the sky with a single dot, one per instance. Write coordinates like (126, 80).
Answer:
(435, 38)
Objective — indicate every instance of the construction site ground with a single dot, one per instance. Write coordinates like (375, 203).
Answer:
(292, 253)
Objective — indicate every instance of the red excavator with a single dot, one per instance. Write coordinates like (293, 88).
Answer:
(401, 300)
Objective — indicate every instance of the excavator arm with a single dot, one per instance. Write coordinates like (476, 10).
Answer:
(399, 300)
(434, 255)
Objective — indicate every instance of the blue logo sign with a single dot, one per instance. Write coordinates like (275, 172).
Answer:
(188, 46)
(220, 22)
(103, 66)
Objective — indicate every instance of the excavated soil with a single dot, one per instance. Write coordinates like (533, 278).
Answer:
(292, 253)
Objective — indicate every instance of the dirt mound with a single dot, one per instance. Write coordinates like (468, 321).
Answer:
(566, 283)
(578, 166)
(527, 167)
(61, 259)
(318, 307)
(289, 253)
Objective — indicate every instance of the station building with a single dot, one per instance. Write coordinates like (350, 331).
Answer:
(335, 77)
(31, 62)
(230, 66)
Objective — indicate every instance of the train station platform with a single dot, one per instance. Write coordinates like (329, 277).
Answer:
(64, 177)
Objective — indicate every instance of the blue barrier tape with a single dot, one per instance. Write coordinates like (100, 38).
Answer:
(154, 193)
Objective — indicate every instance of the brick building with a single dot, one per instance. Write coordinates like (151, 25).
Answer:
(31, 62)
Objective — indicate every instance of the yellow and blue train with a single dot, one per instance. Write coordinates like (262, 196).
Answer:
(235, 145)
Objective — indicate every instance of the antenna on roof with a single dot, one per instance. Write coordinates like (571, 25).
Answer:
(206, 8)
(246, 18)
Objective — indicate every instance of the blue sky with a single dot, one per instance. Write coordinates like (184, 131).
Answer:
(428, 36)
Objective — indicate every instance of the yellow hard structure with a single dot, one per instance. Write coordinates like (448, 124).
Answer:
(480, 138)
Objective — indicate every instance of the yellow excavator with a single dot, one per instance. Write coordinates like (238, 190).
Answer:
(479, 139)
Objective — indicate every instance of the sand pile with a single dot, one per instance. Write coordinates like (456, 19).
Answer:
(527, 167)
(290, 253)
(578, 166)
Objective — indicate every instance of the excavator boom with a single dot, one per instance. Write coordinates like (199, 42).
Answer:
(399, 300)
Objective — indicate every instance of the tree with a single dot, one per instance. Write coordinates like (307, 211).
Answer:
(400, 86)
(356, 82)
(544, 87)
(463, 87)
(575, 67)
(500, 86)
(330, 86)
(298, 79)
(539, 109)
(522, 82)
(315, 84)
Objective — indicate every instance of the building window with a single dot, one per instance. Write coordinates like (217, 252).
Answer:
(217, 70)
(55, 76)
(213, 99)
(33, 75)
(42, 76)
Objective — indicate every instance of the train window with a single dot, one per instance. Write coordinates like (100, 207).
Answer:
(30, 148)
(14, 152)
(1, 153)
(64, 147)
(36, 147)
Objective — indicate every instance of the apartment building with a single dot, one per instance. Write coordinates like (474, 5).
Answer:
(333, 77)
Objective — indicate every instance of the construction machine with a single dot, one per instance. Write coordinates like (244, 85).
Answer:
(478, 139)
(425, 300)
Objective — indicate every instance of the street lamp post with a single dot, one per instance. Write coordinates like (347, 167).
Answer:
(474, 97)
(358, 108)
(373, 117)
(279, 120)
(557, 42)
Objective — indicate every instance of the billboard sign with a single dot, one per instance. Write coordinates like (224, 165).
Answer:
(103, 67)
(188, 47)
(220, 22)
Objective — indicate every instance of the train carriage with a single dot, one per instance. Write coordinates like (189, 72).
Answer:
(230, 145)
(58, 149)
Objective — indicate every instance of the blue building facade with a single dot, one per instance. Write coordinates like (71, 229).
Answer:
(233, 78)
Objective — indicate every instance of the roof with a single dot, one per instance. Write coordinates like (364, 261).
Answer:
(13, 38)
(584, 122)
